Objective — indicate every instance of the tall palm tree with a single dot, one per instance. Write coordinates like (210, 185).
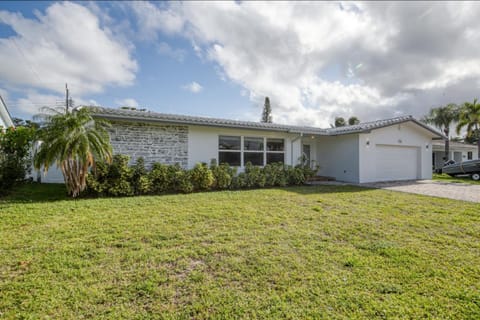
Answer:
(470, 118)
(74, 141)
(353, 121)
(443, 118)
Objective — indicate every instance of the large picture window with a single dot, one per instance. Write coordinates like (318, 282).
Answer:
(229, 150)
(237, 151)
(253, 151)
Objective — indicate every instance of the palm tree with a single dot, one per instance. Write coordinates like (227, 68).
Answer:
(443, 118)
(74, 141)
(353, 121)
(470, 118)
(339, 122)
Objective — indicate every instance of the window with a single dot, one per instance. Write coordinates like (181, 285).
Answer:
(275, 151)
(253, 151)
(229, 150)
(237, 151)
(470, 155)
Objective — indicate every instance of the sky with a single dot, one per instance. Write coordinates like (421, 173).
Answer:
(315, 61)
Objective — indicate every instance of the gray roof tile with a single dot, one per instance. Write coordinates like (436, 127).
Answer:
(121, 114)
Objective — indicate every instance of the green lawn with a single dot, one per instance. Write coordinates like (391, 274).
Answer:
(303, 252)
(458, 179)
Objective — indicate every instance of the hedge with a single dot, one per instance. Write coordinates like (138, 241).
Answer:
(120, 179)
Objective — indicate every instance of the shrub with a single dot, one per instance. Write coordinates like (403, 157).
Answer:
(275, 175)
(296, 175)
(239, 181)
(15, 159)
(160, 179)
(254, 176)
(182, 181)
(119, 177)
(201, 177)
(223, 175)
(141, 183)
(97, 180)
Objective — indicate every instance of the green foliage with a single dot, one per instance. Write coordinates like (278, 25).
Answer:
(469, 118)
(254, 176)
(141, 183)
(223, 175)
(159, 178)
(267, 111)
(275, 175)
(74, 141)
(118, 179)
(295, 175)
(202, 177)
(340, 122)
(182, 181)
(15, 160)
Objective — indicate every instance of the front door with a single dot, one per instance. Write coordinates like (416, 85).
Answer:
(306, 155)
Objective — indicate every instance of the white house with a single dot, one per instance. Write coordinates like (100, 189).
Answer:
(5, 119)
(391, 149)
(458, 151)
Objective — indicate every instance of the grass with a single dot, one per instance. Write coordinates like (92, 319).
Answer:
(304, 252)
(458, 179)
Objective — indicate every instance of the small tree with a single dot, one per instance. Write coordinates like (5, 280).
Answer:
(353, 121)
(267, 111)
(339, 122)
(15, 159)
(74, 141)
(470, 117)
(443, 118)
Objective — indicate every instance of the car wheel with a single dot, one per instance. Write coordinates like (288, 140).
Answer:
(476, 176)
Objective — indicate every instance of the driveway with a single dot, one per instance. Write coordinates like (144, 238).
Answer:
(451, 190)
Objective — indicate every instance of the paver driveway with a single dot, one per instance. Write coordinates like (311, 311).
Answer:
(451, 190)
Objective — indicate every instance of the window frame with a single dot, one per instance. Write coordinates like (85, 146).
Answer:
(242, 150)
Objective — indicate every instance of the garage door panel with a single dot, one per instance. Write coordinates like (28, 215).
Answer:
(396, 163)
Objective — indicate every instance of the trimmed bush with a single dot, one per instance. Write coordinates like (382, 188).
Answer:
(141, 182)
(120, 179)
(201, 177)
(222, 175)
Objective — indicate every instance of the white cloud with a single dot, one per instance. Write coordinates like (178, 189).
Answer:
(128, 102)
(193, 87)
(33, 103)
(301, 54)
(151, 19)
(165, 49)
(66, 44)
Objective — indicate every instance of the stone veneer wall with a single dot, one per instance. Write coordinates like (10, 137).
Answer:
(166, 144)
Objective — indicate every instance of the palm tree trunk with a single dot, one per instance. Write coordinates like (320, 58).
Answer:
(447, 144)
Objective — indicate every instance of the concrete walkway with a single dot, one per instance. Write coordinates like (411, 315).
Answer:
(451, 190)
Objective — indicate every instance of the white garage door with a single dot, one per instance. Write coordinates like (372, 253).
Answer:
(396, 163)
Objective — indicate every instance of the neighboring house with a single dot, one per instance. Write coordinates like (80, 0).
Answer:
(458, 151)
(392, 149)
(5, 119)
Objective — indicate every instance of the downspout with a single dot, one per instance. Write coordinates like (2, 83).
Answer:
(291, 147)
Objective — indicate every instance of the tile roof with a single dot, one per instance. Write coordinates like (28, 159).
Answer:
(150, 116)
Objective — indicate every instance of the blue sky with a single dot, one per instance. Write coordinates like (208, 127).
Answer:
(314, 60)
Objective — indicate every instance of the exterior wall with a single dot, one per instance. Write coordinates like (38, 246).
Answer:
(440, 153)
(338, 157)
(163, 143)
(203, 143)
(405, 134)
(5, 120)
